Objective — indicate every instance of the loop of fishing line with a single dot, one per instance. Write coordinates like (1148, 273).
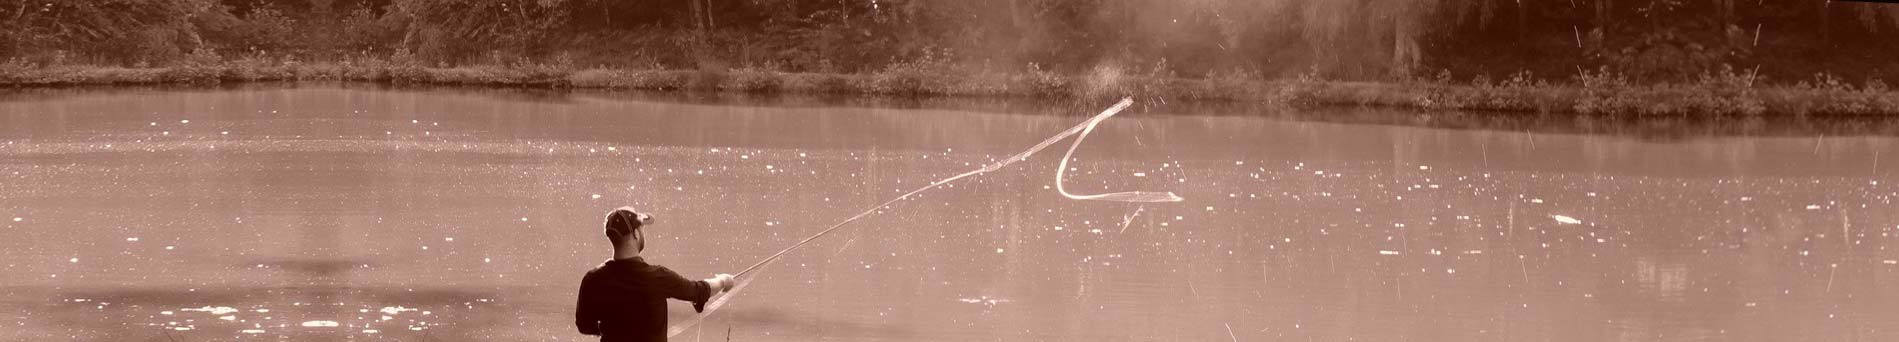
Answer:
(1082, 129)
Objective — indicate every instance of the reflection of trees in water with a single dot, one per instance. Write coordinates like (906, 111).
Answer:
(1667, 129)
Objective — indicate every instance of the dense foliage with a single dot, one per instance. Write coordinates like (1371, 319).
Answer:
(1676, 41)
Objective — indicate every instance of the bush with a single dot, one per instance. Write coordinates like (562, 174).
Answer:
(926, 75)
(1604, 92)
(1043, 82)
(752, 80)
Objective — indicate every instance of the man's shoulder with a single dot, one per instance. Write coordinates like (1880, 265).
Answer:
(598, 269)
(626, 266)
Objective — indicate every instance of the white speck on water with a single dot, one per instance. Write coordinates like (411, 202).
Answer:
(215, 310)
(184, 121)
(228, 318)
(170, 247)
(319, 324)
(252, 331)
(1890, 262)
(596, 196)
(1474, 251)
(1813, 207)
(1388, 253)
(73, 260)
(998, 251)
(18, 219)
(1140, 174)
(524, 219)
(1424, 167)
(131, 239)
(1536, 200)
(1565, 219)
(448, 239)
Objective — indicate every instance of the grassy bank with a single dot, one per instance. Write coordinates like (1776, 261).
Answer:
(1591, 93)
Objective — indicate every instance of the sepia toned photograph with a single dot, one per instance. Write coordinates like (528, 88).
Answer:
(949, 170)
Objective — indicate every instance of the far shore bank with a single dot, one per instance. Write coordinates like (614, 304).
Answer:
(1591, 94)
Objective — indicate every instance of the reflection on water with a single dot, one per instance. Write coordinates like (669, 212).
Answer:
(332, 212)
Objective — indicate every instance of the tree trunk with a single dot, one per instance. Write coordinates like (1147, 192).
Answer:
(693, 11)
(1405, 54)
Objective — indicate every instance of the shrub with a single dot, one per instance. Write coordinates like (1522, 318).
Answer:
(1604, 92)
(752, 80)
(1043, 82)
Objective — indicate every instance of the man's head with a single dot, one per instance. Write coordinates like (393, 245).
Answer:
(623, 228)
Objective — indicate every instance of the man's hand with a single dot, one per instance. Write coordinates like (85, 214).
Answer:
(723, 282)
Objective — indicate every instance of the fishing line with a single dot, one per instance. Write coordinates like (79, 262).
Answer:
(1082, 129)
(710, 307)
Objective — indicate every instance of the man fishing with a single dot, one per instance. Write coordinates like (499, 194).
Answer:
(624, 299)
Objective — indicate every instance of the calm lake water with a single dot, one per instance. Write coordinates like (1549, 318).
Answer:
(353, 212)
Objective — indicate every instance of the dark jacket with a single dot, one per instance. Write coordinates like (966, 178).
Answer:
(625, 300)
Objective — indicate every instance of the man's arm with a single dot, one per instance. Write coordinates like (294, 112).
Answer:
(696, 291)
(586, 312)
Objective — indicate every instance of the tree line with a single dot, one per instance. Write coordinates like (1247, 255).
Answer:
(1647, 40)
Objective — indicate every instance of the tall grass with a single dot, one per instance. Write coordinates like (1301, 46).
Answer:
(1722, 92)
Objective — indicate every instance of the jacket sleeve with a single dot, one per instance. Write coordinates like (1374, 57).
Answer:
(677, 287)
(587, 312)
